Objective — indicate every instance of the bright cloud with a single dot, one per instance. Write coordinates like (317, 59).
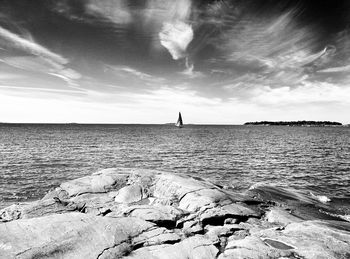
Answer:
(176, 37)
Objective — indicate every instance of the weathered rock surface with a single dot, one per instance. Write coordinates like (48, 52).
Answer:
(129, 194)
(99, 182)
(134, 213)
(281, 216)
(159, 214)
(37, 209)
(195, 247)
(309, 239)
(70, 235)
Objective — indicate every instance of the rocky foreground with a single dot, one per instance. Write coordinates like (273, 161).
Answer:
(133, 213)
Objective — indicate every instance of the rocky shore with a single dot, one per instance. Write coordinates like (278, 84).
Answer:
(135, 213)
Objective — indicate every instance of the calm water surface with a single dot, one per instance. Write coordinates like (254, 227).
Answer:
(36, 158)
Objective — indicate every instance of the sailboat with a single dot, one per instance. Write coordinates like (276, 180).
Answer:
(179, 122)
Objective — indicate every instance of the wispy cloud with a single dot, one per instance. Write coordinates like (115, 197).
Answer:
(39, 58)
(335, 69)
(271, 43)
(12, 40)
(134, 74)
(115, 10)
(10, 87)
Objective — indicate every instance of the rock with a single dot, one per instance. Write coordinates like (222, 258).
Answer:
(308, 239)
(129, 194)
(251, 247)
(36, 209)
(314, 239)
(255, 225)
(100, 182)
(94, 203)
(195, 247)
(70, 235)
(136, 213)
(217, 215)
(280, 216)
(192, 227)
(214, 233)
(10, 213)
(162, 215)
(193, 201)
(156, 236)
(57, 193)
(222, 230)
(230, 221)
(171, 185)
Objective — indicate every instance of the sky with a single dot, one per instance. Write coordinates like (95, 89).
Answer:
(143, 61)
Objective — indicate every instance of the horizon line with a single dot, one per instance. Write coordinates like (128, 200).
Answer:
(135, 123)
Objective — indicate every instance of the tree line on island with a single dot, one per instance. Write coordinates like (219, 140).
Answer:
(295, 123)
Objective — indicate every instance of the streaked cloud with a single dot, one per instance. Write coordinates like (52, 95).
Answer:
(41, 59)
(12, 40)
(335, 69)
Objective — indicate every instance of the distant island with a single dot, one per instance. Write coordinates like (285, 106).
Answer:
(295, 123)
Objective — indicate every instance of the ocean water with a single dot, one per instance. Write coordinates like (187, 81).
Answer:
(312, 160)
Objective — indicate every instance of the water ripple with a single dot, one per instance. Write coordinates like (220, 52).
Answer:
(36, 158)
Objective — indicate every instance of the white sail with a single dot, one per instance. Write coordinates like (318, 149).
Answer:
(179, 122)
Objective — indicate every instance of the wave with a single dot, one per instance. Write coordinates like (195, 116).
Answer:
(321, 198)
(342, 217)
(303, 203)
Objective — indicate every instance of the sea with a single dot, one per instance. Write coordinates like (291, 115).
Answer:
(313, 161)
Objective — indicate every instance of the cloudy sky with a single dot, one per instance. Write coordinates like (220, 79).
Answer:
(142, 61)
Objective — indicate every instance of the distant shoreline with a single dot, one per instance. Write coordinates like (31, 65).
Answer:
(295, 123)
(259, 123)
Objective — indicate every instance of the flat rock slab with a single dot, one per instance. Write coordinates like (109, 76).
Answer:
(99, 182)
(158, 214)
(36, 209)
(195, 247)
(71, 235)
(94, 203)
(308, 239)
(157, 236)
(281, 216)
(171, 185)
